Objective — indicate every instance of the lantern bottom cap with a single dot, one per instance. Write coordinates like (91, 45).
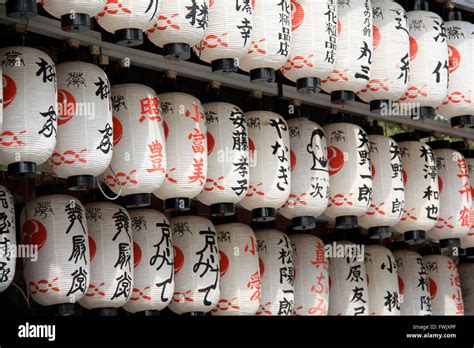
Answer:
(222, 209)
(49, 189)
(462, 121)
(303, 223)
(22, 170)
(469, 253)
(62, 309)
(22, 9)
(77, 23)
(129, 37)
(262, 75)
(450, 243)
(398, 245)
(177, 204)
(340, 97)
(105, 312)
(377, 106)
(177, 51)
(308, 85)
(224, 66)
(380, 232)
(80, 182)
(422, 112)
(346, 222)
(414, 237)
(138, 200)
(264, 214)
(148, 313)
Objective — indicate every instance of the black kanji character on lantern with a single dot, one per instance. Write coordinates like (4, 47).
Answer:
(316, 190)
(432, 212)
(245, 30)
(74, 213)
(208, 262)
(286, 307)
(3, 199)
(283, 178)
(401, 19)
(122, 222)
(359, 310)
(138, 222)
(392, 301)
(365, 193)
(441, 30)
(279, 125)
(123, 287)
(243, 5)
(425, 303)
(106, 144)
(49, 127)
(153, 8)
(423, 282)
(437, 70)
(355, 274)
(397, 206)
(79, 281)
(242, 166)
(4, 272)
(242, 188)
(78, 249)
(103, 88)
(358, 295)
(404, 68)
(198, 14)
(5, 250)
(118, 102)
(46, 71)
(165, 255)
(429, 193)
(125, 255)
(427, 154)
(365, 51)
(390, 266)
(76, 79)
(5, 223)
(43, 208)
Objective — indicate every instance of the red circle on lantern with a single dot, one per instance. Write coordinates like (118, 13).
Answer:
(251, 148)
(297, 14)
(413, 48)
(34, 232)
(262, 267)
(440, 184)
(223, 263)
(92, 247)
(454, 58)
(405, 177)
(67, 106)
(433, 288)
(377, 37)
(166, 129)
(9, 90)
(178, 259)
(137, 254)
(292, 160)
(210, 143)
(401, 285)
(118, 130)
(335, 160)
(372, 167)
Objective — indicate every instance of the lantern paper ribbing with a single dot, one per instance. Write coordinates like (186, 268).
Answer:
(309, 171)
(228, 156)
(466, 275)
(354, 50)
(271, 39)
(389, 74)
(181, 25)
(57, 225)
(153, 276)
(445, 290)
(313, 43)
(413, 283)
(139, 155)
(240, 286)
(270, 175)
(311, 275)
(276, 272)
(111, 256)
(196, 265)
(467, 241)
(186, 146)
(84, 104)
(7, 239)
(29, 106)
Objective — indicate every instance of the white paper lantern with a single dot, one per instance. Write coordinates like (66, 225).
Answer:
(228, 157)
(138, 165)
(354, 51)
(84, 104)
(313, 43)
(181, 25)
(466, 274)
(389, 75)
(75, 15)
(60, 276)
(467, 241)
(276, 272)
(454, 220)
(196, 265)
(186, 147)
(240, 286)
(270, 172)
(413, 283)
(30, 116)
(348, 290)
(421, 189)
(311, 275)
(112, 258)
(350, 179)
(428, 84)
(271, 40)
(388, 198)
(228, 35)
(153, 276)
(445, 287)
(128, 19)
(7, 239)
(309, 172)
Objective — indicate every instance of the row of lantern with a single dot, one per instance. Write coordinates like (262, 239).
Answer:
(105, 257)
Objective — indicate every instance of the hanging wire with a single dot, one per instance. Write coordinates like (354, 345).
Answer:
(118, 181)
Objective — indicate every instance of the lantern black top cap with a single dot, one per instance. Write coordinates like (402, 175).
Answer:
(439, 144)
(419, 5)
(408, 136)
(454, 15)
(374, 129)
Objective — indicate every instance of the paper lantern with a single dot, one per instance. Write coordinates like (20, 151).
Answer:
(7, 239)
(186, 147)
(428, 85)
(30, 116)
(75, 15)
(313, 44)
(458, 105)
(389, 75)
(270, 173)
(413, 283)
(445, 287)
(276, 272)
(84, 104)
(60, 276)
(421, 188)
(228, 35)
(311, 275)
(239, 270)
(228, 157)
(382, 279)
(466, 272)
(388, 198)
(128, 19)
(350, 177)
(467, 241)
(354, 51)
(112, 258)
(271, 40)
(21, 8)
(348, 291)
(309, 172)
(153, 276)
(138, 165)
(454, 220)
(181, 25)
(196, 265)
